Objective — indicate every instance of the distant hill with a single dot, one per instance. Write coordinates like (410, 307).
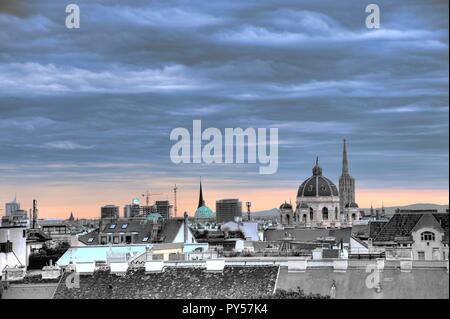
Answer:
(389, 210)
(266, 213)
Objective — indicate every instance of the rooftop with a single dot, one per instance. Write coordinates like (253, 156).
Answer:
(175, 283)
(402, 224)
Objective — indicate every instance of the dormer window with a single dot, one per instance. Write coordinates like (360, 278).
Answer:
(427, 236)
(112, 226)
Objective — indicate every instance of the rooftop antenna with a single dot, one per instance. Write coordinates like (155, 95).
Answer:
(175, 209)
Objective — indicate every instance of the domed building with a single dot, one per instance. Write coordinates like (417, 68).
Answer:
(351, 213)
(203, 214)
(318, 201)
(287, 214)
(154, 217)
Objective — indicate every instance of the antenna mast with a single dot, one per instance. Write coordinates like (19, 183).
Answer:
(175, 209)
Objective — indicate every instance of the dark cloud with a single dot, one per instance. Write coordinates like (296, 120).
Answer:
(99, 102)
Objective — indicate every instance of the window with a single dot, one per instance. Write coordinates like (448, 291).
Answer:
(427, 236)
(145, 239)
(421, 255)
(90, 240)
(124, 226)
(6, 247)
(112, 226)
(311, 214)
(436, 254)
(325, 213)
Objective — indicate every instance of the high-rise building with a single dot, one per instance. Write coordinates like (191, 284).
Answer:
(164, 208)
(228, 209)
(130, 211)
(346, 183)
(12, 207)
(109, 212)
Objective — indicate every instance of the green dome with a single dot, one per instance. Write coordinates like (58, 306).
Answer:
(154, 217)
(204, 212)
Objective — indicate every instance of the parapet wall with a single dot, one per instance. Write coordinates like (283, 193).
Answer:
(358, 283)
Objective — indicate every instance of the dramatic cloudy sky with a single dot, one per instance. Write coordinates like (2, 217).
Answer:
(85, 114)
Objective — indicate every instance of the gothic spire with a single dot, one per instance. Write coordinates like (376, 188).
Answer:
(201, 202)
(344, 159)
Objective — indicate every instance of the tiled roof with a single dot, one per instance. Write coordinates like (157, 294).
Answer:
(170, 230)
(233, 283)
(375, 227)
(402, 224)
(166, 234)
(443, 220)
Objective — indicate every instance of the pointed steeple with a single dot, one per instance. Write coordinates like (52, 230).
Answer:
(344, 159)
(201, 201)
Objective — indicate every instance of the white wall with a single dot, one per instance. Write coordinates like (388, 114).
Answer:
(357, 248)
(19, 242)
(428, 246)
(179, 238)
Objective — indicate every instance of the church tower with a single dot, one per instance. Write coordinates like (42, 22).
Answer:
(346, 183)
(201, 201)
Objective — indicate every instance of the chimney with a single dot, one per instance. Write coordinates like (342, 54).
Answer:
(34, 213)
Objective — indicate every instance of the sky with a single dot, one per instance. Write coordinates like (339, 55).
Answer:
(86, 114)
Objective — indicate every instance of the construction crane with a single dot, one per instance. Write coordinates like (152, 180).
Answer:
(147, 196)
(175, 200)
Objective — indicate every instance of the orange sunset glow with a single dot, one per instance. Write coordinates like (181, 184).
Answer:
(58, 202)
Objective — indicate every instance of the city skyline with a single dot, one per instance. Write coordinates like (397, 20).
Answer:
(86, 114)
